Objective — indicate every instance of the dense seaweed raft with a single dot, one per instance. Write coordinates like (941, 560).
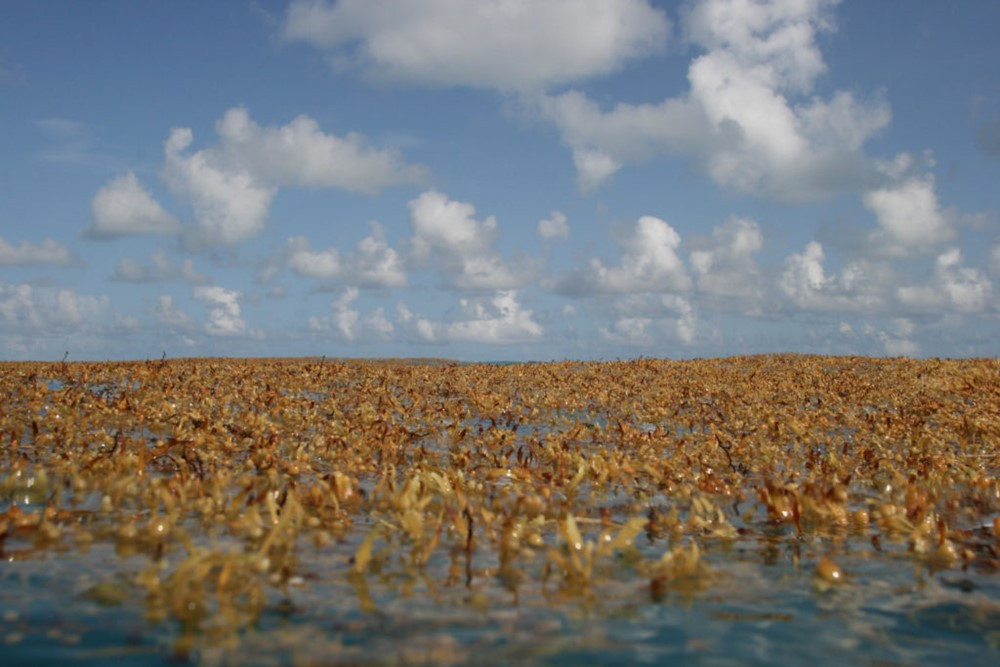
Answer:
(747, 509)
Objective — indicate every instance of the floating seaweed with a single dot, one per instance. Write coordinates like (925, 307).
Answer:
(235, 492)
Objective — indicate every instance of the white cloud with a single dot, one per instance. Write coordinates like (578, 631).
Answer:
(446, 233)
(300, 154)
(909, 217)
(602, 142)
(629, 331)
(448, 226)
(346, 323)
(122, 207)
(223, 310)
(160, 269)
(380, 324)
(860, 286)
(649, 263)
(230, 204)
(899, 347)
(29, 254)
(952, 286)
(740, 118)
(305, 261)
(374, 264)
(727, 268)
(593, 167)
(28, 309)
(645, 321)
(499, 319)
(554, 226)
(899, 343)
(231, 184)
(504, 44)
(686, 323)
(166, 312)
(344, 319)
(126, 322)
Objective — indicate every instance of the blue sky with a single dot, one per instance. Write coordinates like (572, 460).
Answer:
(507, 180)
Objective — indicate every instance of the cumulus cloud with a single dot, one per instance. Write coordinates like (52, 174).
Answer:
(505, 44)
(300, 154)
(629, 331)
(644, 320)
(344, 319)
(159, 269)
(346, 323)
(554, 226)
(231, 185)
(28, 309)
(748, 118)
(166, 312)
(374, 264)
(498, 319)
(230, 205)
(726, 268)
(951, 287)
(31, 254)
(447, 233)
(649, 263)
(305, 261)
(440, 224)
(223, 310)
(860, 286)
(898, 342)
(909, 217)
(123, 207)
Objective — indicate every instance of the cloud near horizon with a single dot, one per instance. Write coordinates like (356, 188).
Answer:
(567, 178)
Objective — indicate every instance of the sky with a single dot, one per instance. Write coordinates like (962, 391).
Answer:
(499, 179)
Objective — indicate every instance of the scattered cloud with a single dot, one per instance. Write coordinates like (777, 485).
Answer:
(649, 263)
(646, 319)
(749, 117)
(123, 207)
(952, 287)
(374, 264)
(229, 204)
(165, 311)
(300, 154)
(28, 309)
(726, 267)
(160, 269)
(230, 185)
(223, 310)
(498, 319)
(860, 286)
(554, 226)
(506, 45)
(31, 254)
(126, 323)
(909, 217)
(305, 261)
(447, 235)
(343, 320)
